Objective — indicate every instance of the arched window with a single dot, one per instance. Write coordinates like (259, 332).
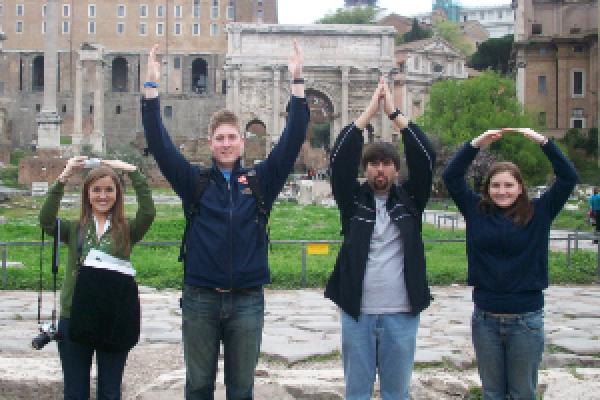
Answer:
(199, 75)
(255, 128)
(37, 83)
(321, 116)
(119, 75)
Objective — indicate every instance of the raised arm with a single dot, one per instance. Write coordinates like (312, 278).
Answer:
(456, 169)
(420, 156)
(566, 176)
(173, 165)
(280, 161)
(345, 156)
(51, 205)
(146, 211)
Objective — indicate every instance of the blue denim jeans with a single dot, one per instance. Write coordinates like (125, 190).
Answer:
(210, 317)
(76, 362)
(378, 342)
(509, 351)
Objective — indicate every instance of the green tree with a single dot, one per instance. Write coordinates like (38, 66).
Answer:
(591, 147)
(494, 54)
(450, 31)
(458, 111)
(574, 138)
(355, 15)
(416, 33)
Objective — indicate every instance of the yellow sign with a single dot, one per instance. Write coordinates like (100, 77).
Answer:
(317, 248)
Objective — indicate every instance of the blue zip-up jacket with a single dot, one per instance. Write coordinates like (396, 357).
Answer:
(226, 243)
(508, 263)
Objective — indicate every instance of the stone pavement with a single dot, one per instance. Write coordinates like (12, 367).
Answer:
(301, 348)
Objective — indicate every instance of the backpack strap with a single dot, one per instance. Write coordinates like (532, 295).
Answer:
(202, 182)
(263, 211)
(254, 185)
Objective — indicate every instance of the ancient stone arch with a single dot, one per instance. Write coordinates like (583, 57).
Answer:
(343, 63)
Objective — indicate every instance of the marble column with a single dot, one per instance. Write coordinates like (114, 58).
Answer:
(131, 74)
(236, 90)
(274, 131)
(521, 72)
(229, 96)
(27, 72)
(218, 81)
(97, 138)
(77, 109)
(48, 119)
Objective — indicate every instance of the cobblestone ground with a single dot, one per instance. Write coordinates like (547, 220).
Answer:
(301, 347)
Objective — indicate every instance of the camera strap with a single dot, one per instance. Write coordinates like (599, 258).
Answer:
(40, 286)
(55, 263)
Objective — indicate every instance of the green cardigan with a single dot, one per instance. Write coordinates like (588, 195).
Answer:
(138, 226)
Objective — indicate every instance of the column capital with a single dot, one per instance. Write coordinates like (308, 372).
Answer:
(277, 73)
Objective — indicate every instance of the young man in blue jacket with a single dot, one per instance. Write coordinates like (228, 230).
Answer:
(225, 260)
(379, 279)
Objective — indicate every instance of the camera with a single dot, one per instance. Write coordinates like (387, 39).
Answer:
(91, 163)
(47, 333)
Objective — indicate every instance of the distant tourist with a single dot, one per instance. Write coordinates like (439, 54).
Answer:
(379, 278)
(507, 250)
(102, 230)
(594, 201)
(225, 241)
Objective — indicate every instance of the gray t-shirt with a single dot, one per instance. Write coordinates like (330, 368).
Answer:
(384, 289)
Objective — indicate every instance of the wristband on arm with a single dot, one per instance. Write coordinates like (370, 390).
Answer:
(395, 114)
(149, 84)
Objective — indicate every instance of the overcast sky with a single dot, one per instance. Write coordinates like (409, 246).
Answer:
(307, 11)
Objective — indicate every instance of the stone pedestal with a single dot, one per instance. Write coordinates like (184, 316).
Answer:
(48, 130)
(305, 192)
(77, 112)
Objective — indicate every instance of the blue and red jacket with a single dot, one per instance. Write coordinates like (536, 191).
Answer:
(226, 242)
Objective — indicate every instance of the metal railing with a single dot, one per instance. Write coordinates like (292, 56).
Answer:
(573, 240)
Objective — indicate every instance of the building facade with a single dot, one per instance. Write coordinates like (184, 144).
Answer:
(360, 3)
(556, 52)
(497, 20)
(420, 64)
(102, 55)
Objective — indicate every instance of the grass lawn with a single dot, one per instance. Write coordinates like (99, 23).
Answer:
(158, 267)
